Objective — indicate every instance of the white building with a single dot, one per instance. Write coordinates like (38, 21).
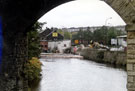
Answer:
(73, 29)
(93, 28)
(60, 45)
(122, 40)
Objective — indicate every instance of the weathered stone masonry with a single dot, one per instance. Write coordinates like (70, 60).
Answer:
(19, 15)
(104, 56)
(12, 76)
(131, 58)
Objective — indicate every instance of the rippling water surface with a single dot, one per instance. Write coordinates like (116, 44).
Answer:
(80, 75)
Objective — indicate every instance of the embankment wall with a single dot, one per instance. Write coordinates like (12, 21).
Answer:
(118, 58)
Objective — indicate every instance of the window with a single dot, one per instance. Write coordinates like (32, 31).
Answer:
(65, 45)
(45, 45)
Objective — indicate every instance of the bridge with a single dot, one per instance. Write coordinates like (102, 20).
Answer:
(17, 17)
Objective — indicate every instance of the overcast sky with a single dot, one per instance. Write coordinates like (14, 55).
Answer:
(82, 13)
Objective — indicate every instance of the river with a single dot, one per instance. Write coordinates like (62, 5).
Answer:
(80, 75)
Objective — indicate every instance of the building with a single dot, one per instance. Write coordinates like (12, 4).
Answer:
(122, 40)
(50, 35)
(47, 36)
(93, 28)
(59, 45)
(51, 40)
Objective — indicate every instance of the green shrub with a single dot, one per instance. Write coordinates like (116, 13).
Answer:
(32, 69)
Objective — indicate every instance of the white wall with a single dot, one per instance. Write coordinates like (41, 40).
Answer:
(122, 42)
(59, 45)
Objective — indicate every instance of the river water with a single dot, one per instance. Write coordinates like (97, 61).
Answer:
(80, 75)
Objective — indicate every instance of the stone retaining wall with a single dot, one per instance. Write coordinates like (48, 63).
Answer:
(12, 77)
(118, 58)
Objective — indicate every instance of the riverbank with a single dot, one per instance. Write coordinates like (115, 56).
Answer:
(59, 55)
(103, 56)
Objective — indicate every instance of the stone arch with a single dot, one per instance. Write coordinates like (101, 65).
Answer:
(17, 18)
(25, 13)
(125, 8)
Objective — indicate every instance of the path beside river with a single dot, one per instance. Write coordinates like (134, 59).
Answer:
(59, 55)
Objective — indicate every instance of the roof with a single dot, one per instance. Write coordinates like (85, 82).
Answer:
(47, 35)
(122, 36)
(46, 32)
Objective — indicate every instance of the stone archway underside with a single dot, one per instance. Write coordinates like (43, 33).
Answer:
(18, 16)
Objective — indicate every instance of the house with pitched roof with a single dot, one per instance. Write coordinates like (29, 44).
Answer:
(50, 39)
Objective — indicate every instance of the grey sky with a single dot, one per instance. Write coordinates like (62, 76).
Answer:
(82, 13)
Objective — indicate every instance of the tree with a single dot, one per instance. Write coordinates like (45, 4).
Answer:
(88, 34)
(100, 35)
(112, 33)
(60, 31)
(105, 34)
(32, 68)
(33, 40)
(67, 35)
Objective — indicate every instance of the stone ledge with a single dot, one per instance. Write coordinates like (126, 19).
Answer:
(130, 27)
(131, 89)
(131, 73)
(130, 79)
(131, 35)
(129, 67)
(131, 47)
(130, 60)
(131, 51)
(131, 41)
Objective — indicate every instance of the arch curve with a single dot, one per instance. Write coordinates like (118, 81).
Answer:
(24, 13)
(125, 8)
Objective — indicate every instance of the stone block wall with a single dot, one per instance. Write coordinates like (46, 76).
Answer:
(131, 59)
(113, 57)
(91, 54)
(117, 58)
(12, 78)
(19, 15)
